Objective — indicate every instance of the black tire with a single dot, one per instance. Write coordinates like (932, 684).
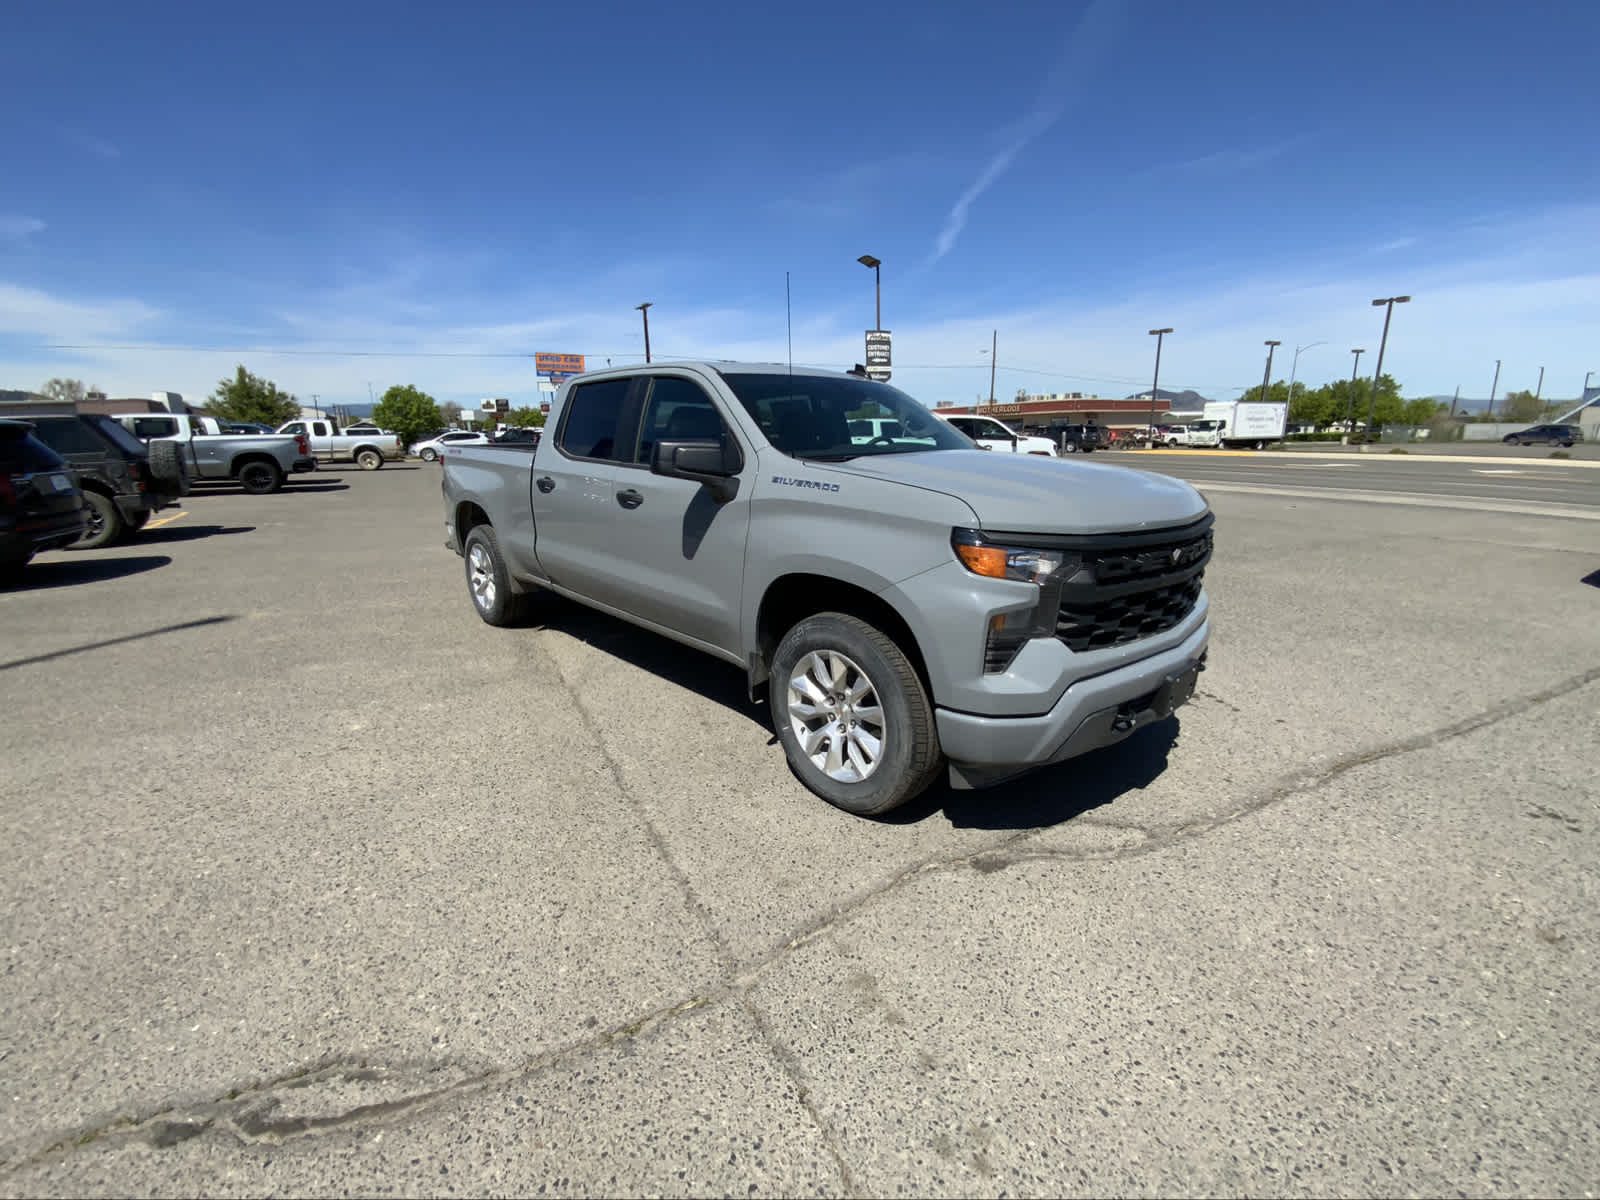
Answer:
(369, 459)
(429, 454)
(166, 463)
(260, 477)
(910, 759)
(138, 521)
(105, 522)
(1071, 447)
(497, 604)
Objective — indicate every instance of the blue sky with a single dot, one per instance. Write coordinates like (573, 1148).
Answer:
(443, 190)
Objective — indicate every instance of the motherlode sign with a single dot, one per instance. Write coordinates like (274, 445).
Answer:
(558, 368)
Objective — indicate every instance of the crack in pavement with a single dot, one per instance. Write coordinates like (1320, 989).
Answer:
(254, 1114)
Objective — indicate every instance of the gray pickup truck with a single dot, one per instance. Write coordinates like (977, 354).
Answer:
(259, 462)
(906, 602)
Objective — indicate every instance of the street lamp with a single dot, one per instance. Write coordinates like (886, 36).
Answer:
(1266, 377)
(866, 260)
(1372, 401)
(644, 309)
(1293, 367)
(994, 357)
(1350, 407)
(1155, 384)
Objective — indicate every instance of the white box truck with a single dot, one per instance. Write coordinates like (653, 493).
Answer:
(1250, 425)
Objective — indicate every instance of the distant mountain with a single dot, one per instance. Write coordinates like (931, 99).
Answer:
(1187, 399)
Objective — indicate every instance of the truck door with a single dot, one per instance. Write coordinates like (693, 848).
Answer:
(675, 556)
(573, 480)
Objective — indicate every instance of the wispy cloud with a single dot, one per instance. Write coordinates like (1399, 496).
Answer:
(29, 311)
(96, 146)
(1085, 47)
(1399, 243)
(13, 226)
(1234, 158)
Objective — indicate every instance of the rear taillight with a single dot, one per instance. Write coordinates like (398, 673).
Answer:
(305, 446)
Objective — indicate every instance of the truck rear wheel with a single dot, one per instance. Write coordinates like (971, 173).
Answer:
(368, 459)
(487, 580)
(105, 522)
(853, 717)
(259, 477)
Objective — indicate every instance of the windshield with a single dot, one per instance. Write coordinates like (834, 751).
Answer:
(828, 418)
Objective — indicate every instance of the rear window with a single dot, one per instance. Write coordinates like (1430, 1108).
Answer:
(26, 454)
(589, 428)
(69, 435)
(117, 434)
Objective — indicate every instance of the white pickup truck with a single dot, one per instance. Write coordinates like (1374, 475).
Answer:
(260, 462)
(366, 449)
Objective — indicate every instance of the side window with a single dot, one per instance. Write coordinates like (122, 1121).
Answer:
(68, 435)
(294, 427)
(319, 428)
(589, 425)
(678, 410)
(962, 424)
(154, 427)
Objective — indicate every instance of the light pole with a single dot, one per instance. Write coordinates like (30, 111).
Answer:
(1494, 387)
(1350, 407)
(1539, 387)
(645, 310)
(1292, 369)
(866, 260)
(1155, 383)
(1266, 376)
(1372, 401)
(994, 357)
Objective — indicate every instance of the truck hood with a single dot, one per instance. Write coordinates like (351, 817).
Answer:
(1028, 494)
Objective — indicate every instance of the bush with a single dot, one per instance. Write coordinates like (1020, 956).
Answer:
(1315, 437)
(1399, 450)
(1559, 454)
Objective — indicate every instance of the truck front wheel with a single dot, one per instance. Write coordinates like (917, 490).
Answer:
(853, 717)
(369, 459)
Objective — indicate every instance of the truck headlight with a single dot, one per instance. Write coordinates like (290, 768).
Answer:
(1024, 564)
(1008, 632)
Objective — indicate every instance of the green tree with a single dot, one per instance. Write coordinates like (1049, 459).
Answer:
(1521, 407)
(411, 413)
(525, 418)
(248, 397)
(65, 391)
(1419, 411)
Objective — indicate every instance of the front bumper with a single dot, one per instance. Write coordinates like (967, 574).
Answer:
(1093, 712)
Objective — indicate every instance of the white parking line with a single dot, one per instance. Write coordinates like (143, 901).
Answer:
(1496, 471)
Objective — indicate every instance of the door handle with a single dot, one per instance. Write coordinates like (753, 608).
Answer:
(629, 499)
(546, 484)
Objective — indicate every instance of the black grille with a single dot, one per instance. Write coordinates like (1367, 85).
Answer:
(1124, 593)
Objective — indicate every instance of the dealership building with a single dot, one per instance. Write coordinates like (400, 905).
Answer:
(1072, 408)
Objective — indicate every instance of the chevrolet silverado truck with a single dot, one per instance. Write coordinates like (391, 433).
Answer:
(259, 462)
(907, 605)
(369, 450)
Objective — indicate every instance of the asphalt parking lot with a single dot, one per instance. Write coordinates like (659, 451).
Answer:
(316, 884)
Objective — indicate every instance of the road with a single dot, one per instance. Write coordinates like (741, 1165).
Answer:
(1531, 488)
(314, 883)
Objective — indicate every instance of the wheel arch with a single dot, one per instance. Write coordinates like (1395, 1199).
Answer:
(790, 599)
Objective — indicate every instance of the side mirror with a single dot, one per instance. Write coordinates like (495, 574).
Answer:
(703, 462)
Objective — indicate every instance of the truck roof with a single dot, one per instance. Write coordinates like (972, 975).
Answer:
(721, 367)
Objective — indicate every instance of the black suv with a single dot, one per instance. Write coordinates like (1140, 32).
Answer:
(1078, 439)
(122, 481)
(41, 506)
(1549, 435)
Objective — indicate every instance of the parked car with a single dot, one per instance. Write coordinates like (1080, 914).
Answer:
(1548, 435)
(429, 451)
(123, 482)
(41, 505)
(244, 427)
(1078, 438)
(518, 436)
(992, 434)
(906, 607)
(366, 427)
(369, 451)
(259, 462)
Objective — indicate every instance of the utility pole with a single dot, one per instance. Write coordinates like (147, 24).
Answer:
(1266, 376)
(1372, 402)
(1350, 407)
(1155, 383)
(994, 354)
(1455, 401)
(1539, 388)
(644, 309)
(1494, 387)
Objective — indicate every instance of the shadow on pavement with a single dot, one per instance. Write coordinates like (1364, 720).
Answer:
(116, 641)
(69, 571)
(188, 533)
(1034, 801)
